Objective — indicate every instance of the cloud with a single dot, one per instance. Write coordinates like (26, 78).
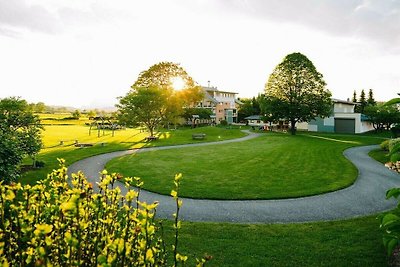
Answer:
(18, 14)
(375, 20)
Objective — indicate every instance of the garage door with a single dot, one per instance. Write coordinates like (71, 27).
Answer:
(345, 125)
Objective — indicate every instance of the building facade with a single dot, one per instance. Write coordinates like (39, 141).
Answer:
(223, 104)
(342, 120)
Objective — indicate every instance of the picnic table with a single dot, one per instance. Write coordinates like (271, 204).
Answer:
(151, 138)
(199, 136)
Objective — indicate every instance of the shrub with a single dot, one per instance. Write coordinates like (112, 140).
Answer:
(40, 164)
(223, 122)
(385, 145)
(393, 142)
(55, 224)
(390, 223)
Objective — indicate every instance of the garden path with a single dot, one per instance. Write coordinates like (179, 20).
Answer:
(366, 196)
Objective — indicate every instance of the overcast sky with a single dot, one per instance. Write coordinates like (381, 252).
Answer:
(86, 53)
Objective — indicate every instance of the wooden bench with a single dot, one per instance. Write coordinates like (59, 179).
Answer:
(151, 138)
(199, 136)
(83, 144)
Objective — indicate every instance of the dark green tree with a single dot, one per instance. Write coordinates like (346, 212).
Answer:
(362, 101)
(354, 99)
(371, 101)
(296, 91)
(143, 105)
(382, 116)
(19, 136)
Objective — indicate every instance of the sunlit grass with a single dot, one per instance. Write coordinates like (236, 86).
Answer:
(272, 166)
(104, 142)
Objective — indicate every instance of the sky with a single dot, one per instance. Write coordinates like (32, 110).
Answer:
(85, 54)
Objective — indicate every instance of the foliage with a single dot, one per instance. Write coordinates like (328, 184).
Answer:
(385, 145)
(354, 99)
(382, 116)
(296, 91)
(162, 104)
(362, 103)
(250, 106)
(163, 74)
(19, 136)
(143, 105)
(394, 149)
(203, 113)
(223, 123)
(390, 223)
(55, 224)
(76, 114)
(371, 100)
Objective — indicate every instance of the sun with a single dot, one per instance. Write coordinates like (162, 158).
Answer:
(178, 83)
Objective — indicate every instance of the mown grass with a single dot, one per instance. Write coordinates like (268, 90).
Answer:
(122, 140)
(269, 167)
(355, 242)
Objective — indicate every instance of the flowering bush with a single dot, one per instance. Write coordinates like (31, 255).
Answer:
(55, 224)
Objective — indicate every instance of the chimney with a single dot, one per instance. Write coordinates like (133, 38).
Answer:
(208, 84)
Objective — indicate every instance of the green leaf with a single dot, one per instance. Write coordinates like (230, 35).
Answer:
(389, 218)
(394, 192)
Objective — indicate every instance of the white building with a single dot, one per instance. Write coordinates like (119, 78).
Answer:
(342, 120)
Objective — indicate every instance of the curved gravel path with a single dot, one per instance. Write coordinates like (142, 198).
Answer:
(366, 196)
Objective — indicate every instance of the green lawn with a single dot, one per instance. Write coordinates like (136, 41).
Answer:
(355, 242)
(122, 140)
(272, 166)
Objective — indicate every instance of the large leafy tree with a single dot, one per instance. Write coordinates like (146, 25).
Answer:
(296, 92)
(382, 116)
(143, 105)
(19, 136)
(153, 99)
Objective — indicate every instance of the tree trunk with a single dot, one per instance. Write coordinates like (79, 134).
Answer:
(293, 127)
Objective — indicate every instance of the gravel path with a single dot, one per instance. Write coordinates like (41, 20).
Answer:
(366, 196)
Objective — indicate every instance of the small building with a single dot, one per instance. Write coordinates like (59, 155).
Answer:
(342, 120)
(223, 104)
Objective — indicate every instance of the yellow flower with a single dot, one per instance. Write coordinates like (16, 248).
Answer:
(150, 256)
(174, 194)
(43, 229)
(130, 195)
(9, 195)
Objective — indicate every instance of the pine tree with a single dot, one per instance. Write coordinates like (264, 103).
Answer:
(371, 101)
(363, 101)
(354, 99)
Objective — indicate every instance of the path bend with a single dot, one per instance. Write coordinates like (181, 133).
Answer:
(366, 196)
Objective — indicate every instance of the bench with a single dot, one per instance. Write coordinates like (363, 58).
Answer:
(151, 138)
(199, 136)
(83, 144)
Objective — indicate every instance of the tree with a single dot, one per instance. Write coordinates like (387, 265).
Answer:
(295, 91)
(19, 136)
(371, 101)
(143, 105)
(167, 103)
(354, 99)
(164, 75)
(362, 101)
(76, 114)
(382, 116)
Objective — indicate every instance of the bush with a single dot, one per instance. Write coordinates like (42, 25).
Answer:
(395, 131)
(223, 122)
(385, 145)
(392, 143)
(53, 223)
(40, 164)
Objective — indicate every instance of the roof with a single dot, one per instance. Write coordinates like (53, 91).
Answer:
(343, 101)
(253, 117)
(214, 89)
